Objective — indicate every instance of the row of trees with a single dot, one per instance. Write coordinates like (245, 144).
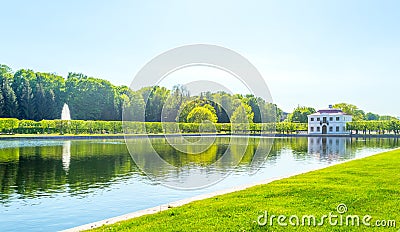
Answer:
(177, 105)
(360, 115)
(31, 95)
(300, 113)
(12, 125)
(28, 95)
(379, 127)
(37, 96)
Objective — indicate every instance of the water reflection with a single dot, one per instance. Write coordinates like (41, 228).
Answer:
(72, 166)
(196, 163)
(66, 155)
(329, 148)
(29, 169)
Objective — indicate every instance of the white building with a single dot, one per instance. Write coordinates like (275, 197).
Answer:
(328, 121)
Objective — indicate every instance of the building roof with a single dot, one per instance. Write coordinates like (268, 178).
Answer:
(330, 111)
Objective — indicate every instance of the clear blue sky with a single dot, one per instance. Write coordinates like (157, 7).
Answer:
(310, 53)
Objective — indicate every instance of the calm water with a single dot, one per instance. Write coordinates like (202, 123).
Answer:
(55, 184)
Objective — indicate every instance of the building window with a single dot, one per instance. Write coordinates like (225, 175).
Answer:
(337, 118)
(344, 128)
(312, 119)
(317, 119)
(312, 129)
(318, 129)
(330, 129)
(337, 129)
(330, 118)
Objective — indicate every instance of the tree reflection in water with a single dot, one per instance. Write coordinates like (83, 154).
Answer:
(33, 169)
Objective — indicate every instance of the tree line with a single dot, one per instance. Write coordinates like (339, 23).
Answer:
(300, 113)
(37, 96)
(375, 126)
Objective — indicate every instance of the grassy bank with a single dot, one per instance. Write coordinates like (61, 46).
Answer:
(369, 186)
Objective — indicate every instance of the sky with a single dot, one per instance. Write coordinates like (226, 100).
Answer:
(310, 53)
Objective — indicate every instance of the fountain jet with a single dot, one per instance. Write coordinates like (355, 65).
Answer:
(65, 114)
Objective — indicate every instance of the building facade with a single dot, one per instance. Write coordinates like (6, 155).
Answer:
(328, 121)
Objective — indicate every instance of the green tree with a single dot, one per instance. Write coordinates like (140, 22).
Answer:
(52, 111)
(241, 106)
(91, 98)
(178, 96)
(242, 114)
(155, 98)
(26, 104)
(386, 118)
(1, 103)
(54, 88)
(371, 116)
(21, 85)
(40, 102)
(300, 114)
(10, 104)
(352, 110)
(8, 101)
(132, 104)
(4, 69)
(200, 114)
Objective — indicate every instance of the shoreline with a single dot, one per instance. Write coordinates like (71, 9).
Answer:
(164, 207)
(122, 136)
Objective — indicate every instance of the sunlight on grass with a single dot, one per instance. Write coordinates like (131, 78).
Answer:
(369, 186)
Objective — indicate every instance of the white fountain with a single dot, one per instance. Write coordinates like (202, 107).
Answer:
(65, 114)
(66, 152)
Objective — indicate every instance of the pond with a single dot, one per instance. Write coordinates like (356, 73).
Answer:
(58, 184)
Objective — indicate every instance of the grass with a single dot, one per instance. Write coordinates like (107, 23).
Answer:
(368, 186)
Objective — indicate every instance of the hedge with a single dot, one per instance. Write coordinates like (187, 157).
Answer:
(15, 126)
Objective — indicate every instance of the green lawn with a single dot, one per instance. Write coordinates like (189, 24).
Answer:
(369, 186)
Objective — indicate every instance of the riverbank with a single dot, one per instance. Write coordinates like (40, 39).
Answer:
(367, 186)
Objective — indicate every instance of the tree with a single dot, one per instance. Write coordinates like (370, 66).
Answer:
(26, 105)
(241, 105)
(54, 88)
(242, 114)
(254, 102)
(40, 102)
(155, 98)
(200, 114)
(4, 69)
(8, 102)
(179, 94)
(1, 103)
(91, 98)
(300, 114)
(10, 105)
(386, 118)
(52, 111)
(370, 116)
(352, 110)
(132, 104)
(21, 84)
